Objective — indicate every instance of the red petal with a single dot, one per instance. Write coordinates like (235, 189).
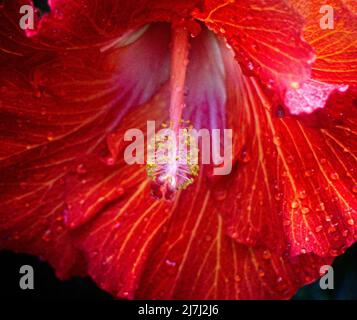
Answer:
(87, 23)
(266, 37)
(295, 183)
(336, 48)
(195, 259)
(53, 146)
(53, 118)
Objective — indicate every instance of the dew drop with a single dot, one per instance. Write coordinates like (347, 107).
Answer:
(250, 66)
(228, 46)
(220, 195)
(37, 93)
(318, 229)
(266, 255)
(334, 176)
(309, 173)
(351, 222)
(170, 263)
(302, 194)
(59, 229)
(245, 155)
(289, 159)
(320, 207)
(261, 274)
(331, 229)
(334, 252)
(81, 169)
(120, 191)
(47, 236)
(354, 188)
(277, 141)
(109, 161)
(50, 136)
(305, 210)
(286, 223)
(294, 204)
(280, 112)
(278, 196)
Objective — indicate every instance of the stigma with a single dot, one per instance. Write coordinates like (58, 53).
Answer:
(174, 161)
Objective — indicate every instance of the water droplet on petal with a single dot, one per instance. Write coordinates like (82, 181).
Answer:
(266, 255)
(245, 155)
(309, 173)
(286, 223)
(294, 204)
(170, 263)
(318, 228)
(261, 273)
(354, 188)
(343, 88)
(47, 236)
(302, 194)
(334, 176)
(50, 136)
(250, 66)
(278, 196)
(109, 161)
(220, 195)
(331, 229)
(81, 169)
(280, 112)
(351, 222)
(277, 141)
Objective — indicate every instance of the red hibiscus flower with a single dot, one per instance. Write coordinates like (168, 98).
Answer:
(90, 70)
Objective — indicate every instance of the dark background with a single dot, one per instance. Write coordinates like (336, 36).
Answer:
(47, 286)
